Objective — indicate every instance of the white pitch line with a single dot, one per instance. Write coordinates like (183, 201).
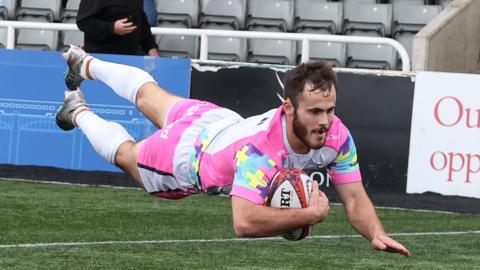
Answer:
(189, 241)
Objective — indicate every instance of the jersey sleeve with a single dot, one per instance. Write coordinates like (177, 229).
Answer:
(253, 172)
(345, 168)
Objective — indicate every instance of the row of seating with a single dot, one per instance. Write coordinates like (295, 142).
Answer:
(400, 19)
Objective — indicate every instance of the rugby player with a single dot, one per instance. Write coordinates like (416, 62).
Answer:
(200, 146)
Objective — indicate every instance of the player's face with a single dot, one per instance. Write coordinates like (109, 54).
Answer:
(313, 116)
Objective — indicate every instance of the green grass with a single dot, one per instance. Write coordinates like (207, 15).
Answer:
(47, 213)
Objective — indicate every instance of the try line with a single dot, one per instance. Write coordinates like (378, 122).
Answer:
(187, 241)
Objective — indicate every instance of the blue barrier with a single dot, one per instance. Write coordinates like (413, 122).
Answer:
(31, 91)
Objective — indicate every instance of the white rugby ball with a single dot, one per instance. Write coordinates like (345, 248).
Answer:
(291, 188)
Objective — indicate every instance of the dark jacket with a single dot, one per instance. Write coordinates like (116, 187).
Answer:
(97, 17)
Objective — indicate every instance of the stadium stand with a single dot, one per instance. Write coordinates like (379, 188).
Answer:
(398, 19)
(409, 19)
(11, 7)
(70, 11)
(445, 3)
(271, 16)
(365, 19)
(318, 14)
(69, 15)
(224, 15)
(70, 37)
(178, 14)
(38, 11)
(40, 8)
(321, 17)
(3, 36)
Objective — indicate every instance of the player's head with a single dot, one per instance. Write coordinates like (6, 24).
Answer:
(310, 97)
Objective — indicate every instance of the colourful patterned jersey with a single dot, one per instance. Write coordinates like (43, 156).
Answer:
(248, 152)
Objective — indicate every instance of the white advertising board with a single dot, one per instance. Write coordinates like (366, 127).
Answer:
(444, 152)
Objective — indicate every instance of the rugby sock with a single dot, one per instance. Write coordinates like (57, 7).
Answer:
(124, 80)
(105, 137)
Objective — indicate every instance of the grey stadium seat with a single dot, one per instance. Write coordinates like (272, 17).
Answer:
(33, 39)
(223, 12)
(70, 37)
(41, 7)
(3, 13)
(3, 37)
(178, 11)
(397, 3)
(274, 13)
(409, 19)
(445, 3)
(271, 51)
(317, 14)
(370, 55)
(369, 17)
(11, 6)
(349, 5)
(71, 10)
(271, 16)
(177, 45)
(226, 48)
(332, 52)
(224, 15)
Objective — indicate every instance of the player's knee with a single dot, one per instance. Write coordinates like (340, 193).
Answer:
(125, 156)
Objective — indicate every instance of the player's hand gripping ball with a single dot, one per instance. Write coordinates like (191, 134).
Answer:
(291, 188)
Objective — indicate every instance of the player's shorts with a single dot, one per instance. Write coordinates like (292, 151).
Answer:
(164, 159)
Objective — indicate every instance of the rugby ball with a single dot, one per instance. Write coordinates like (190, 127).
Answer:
(291, 188)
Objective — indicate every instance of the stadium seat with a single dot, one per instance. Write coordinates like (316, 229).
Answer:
(34, 39)
(397, 3)
(369, 17)
(71, 10)
(177, 45)
(349, 5)
(70, 37)
(271, 16)
(11, 6)
(370, 55)
(415, 14)
(273, 13)
(445, 3)
(318, 14)
(224, 15)
(226, 48)
(409, 19)
(332, 52)
(223, 12)
(271, 51)
(3, 37)
(3, 13)
(178, 12)
(40, 7)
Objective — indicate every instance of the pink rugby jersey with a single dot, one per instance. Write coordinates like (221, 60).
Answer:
(250, 151)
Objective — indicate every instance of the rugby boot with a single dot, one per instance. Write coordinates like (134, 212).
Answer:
(76, 57)
(73, 104)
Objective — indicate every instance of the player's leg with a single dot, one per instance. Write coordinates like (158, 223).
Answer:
(109, 139)
(131, 83)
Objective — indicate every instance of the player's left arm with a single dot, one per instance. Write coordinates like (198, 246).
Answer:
(361, 214)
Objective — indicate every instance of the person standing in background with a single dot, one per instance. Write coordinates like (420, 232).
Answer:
(116, 27)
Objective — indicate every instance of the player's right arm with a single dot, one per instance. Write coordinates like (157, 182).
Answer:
(255, 220)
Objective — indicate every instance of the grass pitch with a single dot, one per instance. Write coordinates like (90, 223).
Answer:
(79, 227)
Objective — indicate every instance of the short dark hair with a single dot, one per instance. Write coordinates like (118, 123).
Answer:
(319, 73)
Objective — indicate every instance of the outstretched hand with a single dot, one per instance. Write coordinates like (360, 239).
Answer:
(387, 244)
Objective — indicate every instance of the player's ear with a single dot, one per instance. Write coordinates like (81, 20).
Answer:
(288, 106)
